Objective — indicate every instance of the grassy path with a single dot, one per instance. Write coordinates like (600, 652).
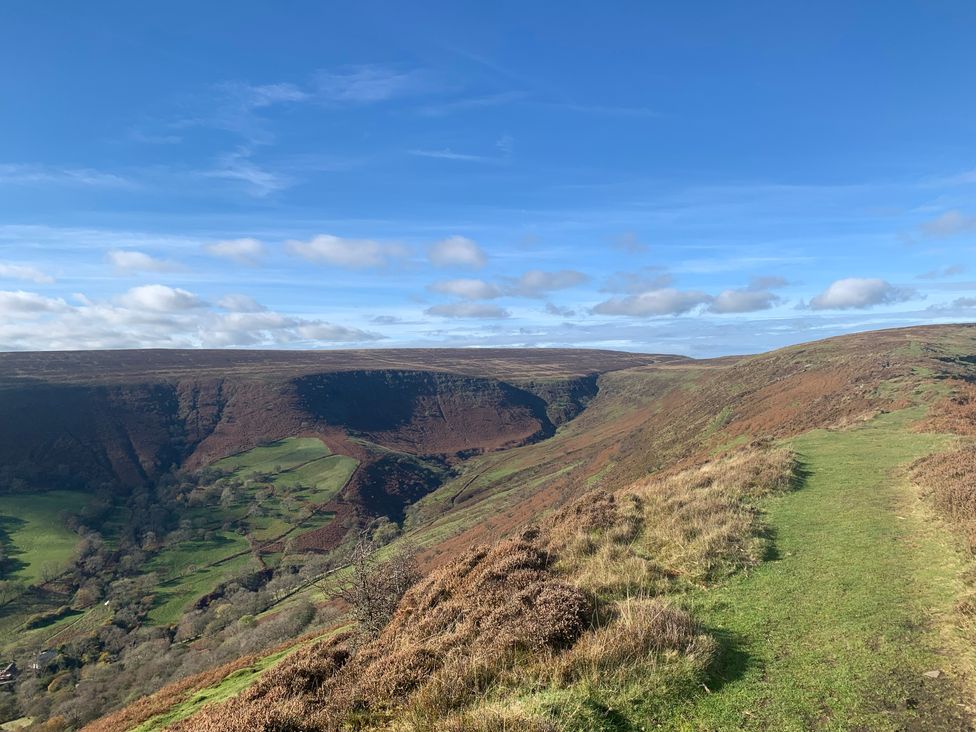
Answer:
(837, 629)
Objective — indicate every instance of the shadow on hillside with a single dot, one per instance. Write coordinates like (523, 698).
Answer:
(9, 552)
(731, 661)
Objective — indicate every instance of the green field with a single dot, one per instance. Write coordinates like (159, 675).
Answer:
(323, 478)
(174, 595)
(286, 454)
(301, 473)
(296, 476)
(34, 535)
(837, 629)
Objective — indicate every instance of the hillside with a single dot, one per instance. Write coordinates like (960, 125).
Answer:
(610, 541)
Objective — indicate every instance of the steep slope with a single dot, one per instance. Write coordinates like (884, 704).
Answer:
(668, 418)
(128, 416)
(663, 434)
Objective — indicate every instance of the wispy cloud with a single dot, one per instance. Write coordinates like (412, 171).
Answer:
(466, 104)
(606, 110)
(10, 270)
(240, 167)
(934, 274)
(448, 154)
(128, 261)
(949, 224)
(32, 174)
(370, 84)
(468, 310)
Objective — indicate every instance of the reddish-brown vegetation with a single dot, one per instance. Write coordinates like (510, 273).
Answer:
(546, 606)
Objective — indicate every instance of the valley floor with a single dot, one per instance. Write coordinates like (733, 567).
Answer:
(846, 625)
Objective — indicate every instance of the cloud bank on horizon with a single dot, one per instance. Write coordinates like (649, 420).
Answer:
(687, 179)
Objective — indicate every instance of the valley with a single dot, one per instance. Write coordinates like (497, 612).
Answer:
(178, 531)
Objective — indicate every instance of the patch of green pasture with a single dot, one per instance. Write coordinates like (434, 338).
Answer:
(34, 535)
(281, 455)
(187, 571)
(174, 595)
(325, 477)
(836, 630)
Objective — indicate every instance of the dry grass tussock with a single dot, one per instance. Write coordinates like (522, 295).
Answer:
(948, 480)
(511, 636)
(697, 525)
(956, 413)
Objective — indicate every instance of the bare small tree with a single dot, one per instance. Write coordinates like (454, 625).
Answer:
(377, 587)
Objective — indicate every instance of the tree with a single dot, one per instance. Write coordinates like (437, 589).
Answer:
(377, 588)
(10, 591)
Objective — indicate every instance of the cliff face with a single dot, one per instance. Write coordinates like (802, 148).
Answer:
(426, 412)
(59, 434)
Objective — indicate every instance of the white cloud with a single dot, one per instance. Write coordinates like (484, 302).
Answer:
(241, 304)
(467, 310)
(156, 316)
(949, 224)
(457, 251)
(245, 251)
(12, 271)
(160, 298)
(536, 283)
(129, 261)
(351, 253)
(856, 292)
(757, 296)
(665, 301)
(469, 289)
(743, 301)
(19, 301)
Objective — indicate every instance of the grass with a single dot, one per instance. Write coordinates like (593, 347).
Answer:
(186, 571)
(303, 474)
(284, 454)
(34, 535)
(324, 477)
(231, 685)
(836, 631)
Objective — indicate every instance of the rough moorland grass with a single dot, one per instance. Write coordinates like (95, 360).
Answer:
(34, 535)
(836, 632)
(530, 633)
(231, 685)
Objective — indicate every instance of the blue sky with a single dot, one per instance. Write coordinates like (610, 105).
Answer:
(701, 178)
